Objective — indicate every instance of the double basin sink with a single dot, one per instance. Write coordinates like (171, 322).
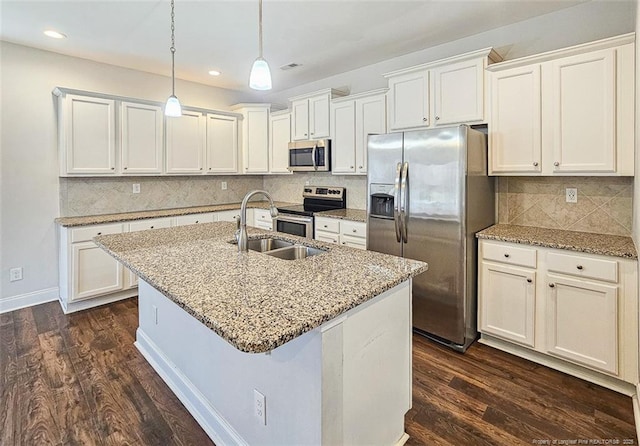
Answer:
(282, 249)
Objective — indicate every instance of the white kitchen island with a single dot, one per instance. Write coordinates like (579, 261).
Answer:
(265, 351)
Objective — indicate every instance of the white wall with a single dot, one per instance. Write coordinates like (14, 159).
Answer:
(579, 24)
(28, 162)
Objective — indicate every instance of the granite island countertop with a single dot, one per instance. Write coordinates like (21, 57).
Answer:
(141, 215)
(345, 214)
(603, 244)
(254, 301)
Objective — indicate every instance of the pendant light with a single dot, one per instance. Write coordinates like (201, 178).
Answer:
(260, 77)
(173, 108)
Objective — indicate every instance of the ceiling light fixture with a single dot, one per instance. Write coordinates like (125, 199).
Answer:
(260, 77)
(215, 73)
(173, 108)
(54, 34)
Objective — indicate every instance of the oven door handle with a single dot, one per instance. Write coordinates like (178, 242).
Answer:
(293, 219)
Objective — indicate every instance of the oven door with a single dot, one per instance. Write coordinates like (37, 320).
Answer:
(294, 224)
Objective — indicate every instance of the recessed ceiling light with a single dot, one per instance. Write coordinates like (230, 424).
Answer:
(54, 34)
(215, 73)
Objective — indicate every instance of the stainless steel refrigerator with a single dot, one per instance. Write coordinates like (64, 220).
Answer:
(429, 194)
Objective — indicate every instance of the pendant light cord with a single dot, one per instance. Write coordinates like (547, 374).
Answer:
(173, 51)
(260, 28)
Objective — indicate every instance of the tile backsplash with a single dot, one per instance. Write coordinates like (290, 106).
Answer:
(604, 203)
(289, 187)
(92, 196)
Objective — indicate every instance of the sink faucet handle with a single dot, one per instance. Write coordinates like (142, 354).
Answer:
(237, 219)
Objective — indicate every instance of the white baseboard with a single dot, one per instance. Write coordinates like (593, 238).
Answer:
(28, 300)
(206, 416)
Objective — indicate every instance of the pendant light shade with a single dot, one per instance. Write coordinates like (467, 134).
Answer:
(173, 108)
(260, 77)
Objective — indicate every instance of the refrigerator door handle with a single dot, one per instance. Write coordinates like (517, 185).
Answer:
(403, 200)
(396, 203)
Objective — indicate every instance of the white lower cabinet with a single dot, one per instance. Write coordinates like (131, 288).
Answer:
(262, 219)
(572, 311)
(344, 232)
(88, 276)
(131, 279)
(194, 219)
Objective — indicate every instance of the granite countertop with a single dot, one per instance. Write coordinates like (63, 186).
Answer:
(129, 216)
(254, 301)
(345, 214)
(603, 244)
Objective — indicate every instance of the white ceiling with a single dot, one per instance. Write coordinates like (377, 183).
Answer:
(327, 37)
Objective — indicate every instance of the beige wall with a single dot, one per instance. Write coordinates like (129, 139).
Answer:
(604, 203)
(29, 183)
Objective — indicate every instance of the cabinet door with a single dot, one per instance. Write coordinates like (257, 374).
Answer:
(409, 101)
(583, 112)
(141, 138)
(353, 242)
(185, 143)
(255, 144)
(582, 322)
(195, 219)
(458, 93)
(507, 302)
(371, 119)
(343, 138)
(279, 139)
(151, 223)
(515, 125)
(300, 111)
(90, 135)
(327, 237)
(233, 215)
(94, 271)
(222, 144)
(319, 126)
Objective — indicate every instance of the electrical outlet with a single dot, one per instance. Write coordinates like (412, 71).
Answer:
(306, 183)
(223, 185)
(15, 274)
(571, 195)
(136, 188)
(260, 407)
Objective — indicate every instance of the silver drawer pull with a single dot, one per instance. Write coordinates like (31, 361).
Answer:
(507, 255)
(325, 226)
(579, 267)
(552, 285)
(535, 164)
(151, 227)
(556, 164)
(529, 280)
(197, 221)
(355, 230)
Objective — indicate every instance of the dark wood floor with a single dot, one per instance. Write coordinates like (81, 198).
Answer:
(78, 380)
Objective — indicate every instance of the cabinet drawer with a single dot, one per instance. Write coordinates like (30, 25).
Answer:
(587, 267)
(262, 215)
(326, 237)
(194, 219)
(87, 233)
(509, 254)
(353, 242)
(354, 228)
(154, 223)
(328, 225)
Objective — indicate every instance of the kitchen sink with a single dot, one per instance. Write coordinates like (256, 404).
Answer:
(267, 244)
(294, 252)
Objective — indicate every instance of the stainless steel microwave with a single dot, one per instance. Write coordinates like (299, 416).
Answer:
(310, 156)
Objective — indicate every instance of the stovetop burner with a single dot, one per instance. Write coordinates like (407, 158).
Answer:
(317, 199)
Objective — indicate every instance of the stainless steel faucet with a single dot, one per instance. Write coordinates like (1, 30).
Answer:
(241, 233)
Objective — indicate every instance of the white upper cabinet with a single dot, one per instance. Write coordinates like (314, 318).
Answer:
(255, 137)
(516, 121)
(310, 114)
(443, 92)
(409, 100)
(353, 118)
(458, 92)
(87, 134)
(141, 145)
(185, 143)
(279, 139)
(222, 144)
(566, 112)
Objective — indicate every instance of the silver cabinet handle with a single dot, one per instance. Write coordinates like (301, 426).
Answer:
(556, 163)
(124, 168)
(355, 230)
(437, 118)
(535, 163)
(113, 168)
(529, 280)
(424, 119)
(350, 167)
(359, 167)
(552, 285)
